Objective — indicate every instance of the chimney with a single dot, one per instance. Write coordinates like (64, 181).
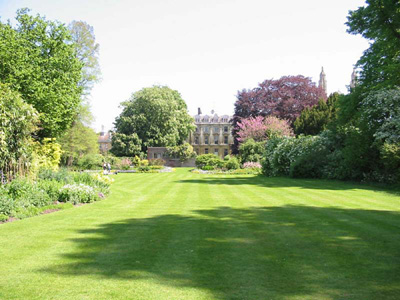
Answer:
(198, 111)
(102, 130)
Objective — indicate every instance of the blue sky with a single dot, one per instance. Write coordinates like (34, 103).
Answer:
(209, 49)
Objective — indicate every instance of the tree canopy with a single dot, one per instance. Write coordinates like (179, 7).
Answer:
(313, 120)
(284, 98)
(38, 59)
(152, 117)
(379, 22)
(87, 51)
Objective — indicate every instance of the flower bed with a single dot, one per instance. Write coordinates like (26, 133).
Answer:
(51, 191)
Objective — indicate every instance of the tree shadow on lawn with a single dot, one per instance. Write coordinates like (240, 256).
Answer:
(279, 182)
(254, 253)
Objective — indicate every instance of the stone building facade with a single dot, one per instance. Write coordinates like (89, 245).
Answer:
(104, 141)
(213, 134)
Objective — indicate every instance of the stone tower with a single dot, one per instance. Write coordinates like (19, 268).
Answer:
(353, 81)
(322, 81)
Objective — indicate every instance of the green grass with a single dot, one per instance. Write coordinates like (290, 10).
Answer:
(191, 236)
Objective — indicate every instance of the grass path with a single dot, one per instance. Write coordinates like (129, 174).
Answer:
(191, 236)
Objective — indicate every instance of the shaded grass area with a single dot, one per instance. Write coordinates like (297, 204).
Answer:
(189, 236)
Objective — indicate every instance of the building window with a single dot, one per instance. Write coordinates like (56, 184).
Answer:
(225, 152)
(196, 140)
(197, 129)
(216, 140)
(206, 140)
(206, 129)
(225, 128)
(216, 130)
(226, 139)
(206, 150)
(216, 152)
(155, 155)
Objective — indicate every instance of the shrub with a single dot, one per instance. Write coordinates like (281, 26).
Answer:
(156, 162)
(90, 162)
(125, 164)
(136, 161)
(27, 193)
(156, 167)
(51, 188)
(209, 160)
(7, 204)
(281, 153)
(183, 152)
(208, 168)
(77, 193)
(62, 175)
(3, 218)
(143, 168)
(46, 155)
(232, 164)
(251, 151)
(144, 162)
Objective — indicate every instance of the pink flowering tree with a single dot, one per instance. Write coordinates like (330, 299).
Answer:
(260, 128)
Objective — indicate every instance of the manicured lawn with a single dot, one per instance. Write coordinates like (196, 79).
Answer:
(191, 236)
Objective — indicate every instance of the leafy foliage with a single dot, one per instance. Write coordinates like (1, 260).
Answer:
(183, 152)
(314, 120)
(153, 117)
(46, 154)
(38, 59)
(209, 160)
(78, 141)
(87, 51)
(18, 120)
(251, 151)
(259, 128)
(379, 22)
(284, 98)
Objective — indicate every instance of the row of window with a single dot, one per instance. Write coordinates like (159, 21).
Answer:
(211, 120)
(216, 129)
(207, 140)
(216, 152)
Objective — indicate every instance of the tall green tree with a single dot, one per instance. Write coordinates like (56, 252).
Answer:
(313, 120)
(18, 120)
(379, 22)
(38, 59)
(153, 117)
(87, 51)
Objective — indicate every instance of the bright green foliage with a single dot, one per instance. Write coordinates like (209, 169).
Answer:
(46, 154)
(18, 121)
(251, 151)
(153, 117)
(38, 59)
(379, 22)
(78, 141)
(209, 160)
(313, 120)
(90, 161)
(126, 144)
(87, 51)
(183, 152)
(232, 163)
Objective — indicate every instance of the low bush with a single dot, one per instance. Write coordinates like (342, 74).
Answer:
(156, 167)
(143, 168)
(232, 163)
(77, 193)
(124, 164)
(90, 162)
(209, 160)
(62, 175)
(208, 168)
(144, 162)
(3, 218)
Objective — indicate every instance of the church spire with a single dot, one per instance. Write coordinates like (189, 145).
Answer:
(322, 81)
(353, 81)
